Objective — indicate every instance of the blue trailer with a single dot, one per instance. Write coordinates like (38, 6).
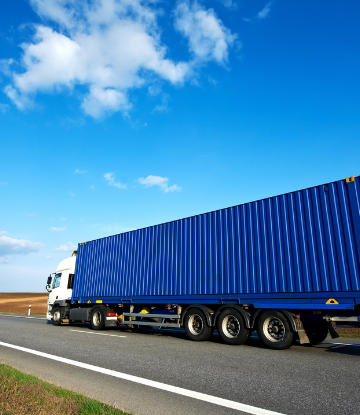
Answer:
(285, 266)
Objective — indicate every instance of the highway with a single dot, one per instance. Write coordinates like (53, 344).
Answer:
(157, 372)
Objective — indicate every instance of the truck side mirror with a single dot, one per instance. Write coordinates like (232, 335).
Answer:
(49, 280)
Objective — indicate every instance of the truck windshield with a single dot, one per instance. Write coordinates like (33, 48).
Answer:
(56, 282)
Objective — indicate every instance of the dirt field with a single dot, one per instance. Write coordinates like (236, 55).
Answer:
(18, 303)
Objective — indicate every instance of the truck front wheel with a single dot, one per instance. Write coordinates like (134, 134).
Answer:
(196, 326)
(57, 317)
(231, 327)
(97, 319)
(274, 330)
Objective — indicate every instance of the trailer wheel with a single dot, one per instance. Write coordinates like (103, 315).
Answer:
(274, 330)
(231, 327)
(97, 319)
(196, 326)
(57, 317)
(316, 331)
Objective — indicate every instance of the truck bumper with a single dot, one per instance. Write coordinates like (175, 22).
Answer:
(48, 313)
(110, 323)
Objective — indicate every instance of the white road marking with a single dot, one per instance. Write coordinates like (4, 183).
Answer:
(342, 344)
(158, 385)
(11, 315)
(100, 334)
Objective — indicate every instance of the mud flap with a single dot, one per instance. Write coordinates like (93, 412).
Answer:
(332, 331)
(304, 339)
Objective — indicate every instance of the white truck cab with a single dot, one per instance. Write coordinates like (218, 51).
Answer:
(62, 311)
(60, 286)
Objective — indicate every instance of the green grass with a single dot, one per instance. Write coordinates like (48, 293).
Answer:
(21, 393)
(353, 336)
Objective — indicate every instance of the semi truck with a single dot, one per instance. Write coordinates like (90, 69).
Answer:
(285, 266)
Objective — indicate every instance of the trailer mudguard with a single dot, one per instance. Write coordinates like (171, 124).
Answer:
(287, 313)
(201, 307)
(239, 309)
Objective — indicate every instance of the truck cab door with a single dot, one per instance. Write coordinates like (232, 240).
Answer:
(55, 288)
(60, 287)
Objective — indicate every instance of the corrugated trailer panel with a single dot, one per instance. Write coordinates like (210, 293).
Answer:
(306, 241)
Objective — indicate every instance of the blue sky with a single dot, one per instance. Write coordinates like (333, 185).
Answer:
(117, 115)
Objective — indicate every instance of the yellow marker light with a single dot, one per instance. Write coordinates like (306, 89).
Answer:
(331, 301)
(99, 301)
(350, 179)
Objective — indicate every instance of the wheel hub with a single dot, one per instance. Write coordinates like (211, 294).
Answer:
(231, 326)
(274, 329)
(196, 324)
(96, 319)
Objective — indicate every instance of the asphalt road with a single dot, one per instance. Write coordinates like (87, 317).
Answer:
(305, 380)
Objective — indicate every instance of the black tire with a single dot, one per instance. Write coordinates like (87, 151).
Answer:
(196, 326)
(56, 316)
(231, 327)
(97, 319)
(316, 331)
(274, 330)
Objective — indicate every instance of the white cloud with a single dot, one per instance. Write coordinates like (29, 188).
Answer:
(66, 248)
(72, 194)
(53, 229)
(110, 47)
(265, 11)
(154, 90)
(208, 38)
(162, 182)
(102, 101)
(21, 100)
(173, 188)
(80, 171)
(5, 66)
(164, 104)
(109, 177)
(4, 183)
(11, 246)
(48, 257)
(230, 4)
